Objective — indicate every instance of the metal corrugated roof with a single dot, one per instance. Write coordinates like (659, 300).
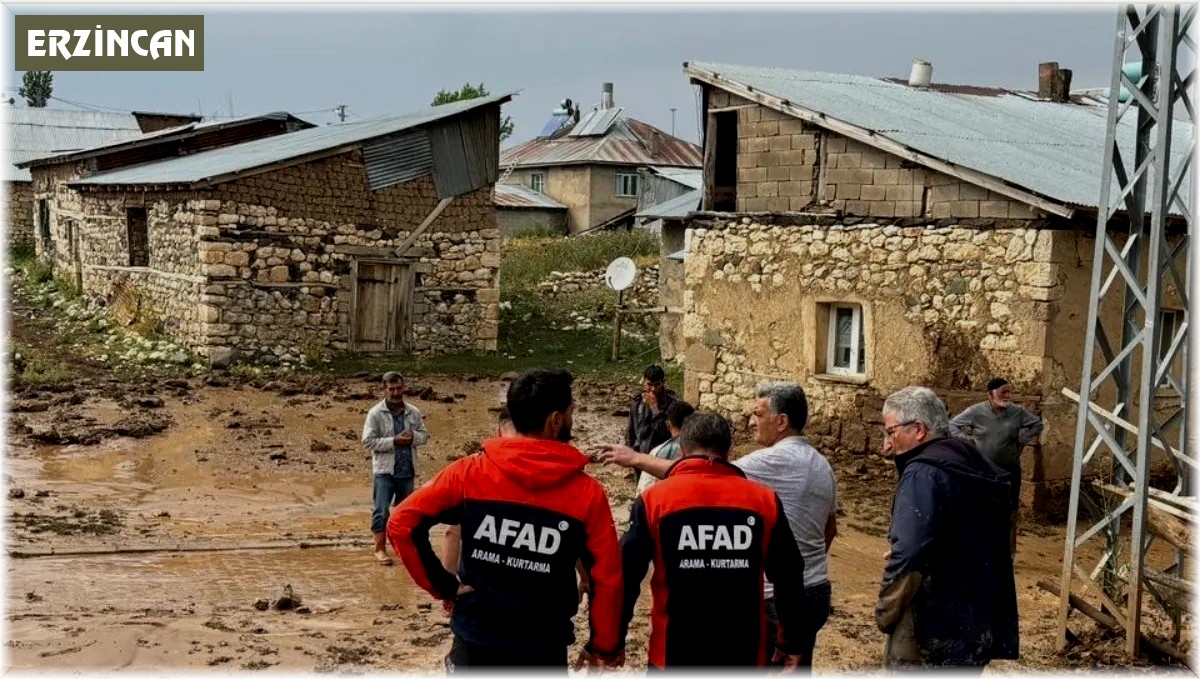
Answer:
(185, 130)
(627, 142)
(693, 178)
(34, 132)
(517, 195)
(230, 160)
(676, 208)
(596, 123)
(1052, 149)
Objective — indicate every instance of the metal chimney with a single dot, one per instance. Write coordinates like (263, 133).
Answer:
(606, 97)
(921, 74)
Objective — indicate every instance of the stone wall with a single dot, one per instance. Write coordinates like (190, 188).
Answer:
(562, 284)
(786, 165)
(261, 265)
(515, 221)
(20, 214)
(944, 304)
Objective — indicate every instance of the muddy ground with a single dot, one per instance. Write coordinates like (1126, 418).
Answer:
(223, 522)
(159, 524)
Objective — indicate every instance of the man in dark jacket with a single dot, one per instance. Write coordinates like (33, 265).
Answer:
(528, 513)
(647, 425)
(712, 534)
(948, 596)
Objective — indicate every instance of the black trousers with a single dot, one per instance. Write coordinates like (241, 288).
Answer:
(817, 602)
(465, 656)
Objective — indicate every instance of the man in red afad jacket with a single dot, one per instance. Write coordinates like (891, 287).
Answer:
(712, 534)
(528, 512)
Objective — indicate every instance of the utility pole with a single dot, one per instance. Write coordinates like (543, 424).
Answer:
(673, 109)
(341, 111)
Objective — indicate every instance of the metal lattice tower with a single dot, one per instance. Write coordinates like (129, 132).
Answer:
(1134, 386)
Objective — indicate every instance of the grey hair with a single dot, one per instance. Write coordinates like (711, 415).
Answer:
(919, 404)
(392, 376)
(786, 398)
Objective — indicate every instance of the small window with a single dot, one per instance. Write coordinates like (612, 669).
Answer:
(43, 221)
(627, 185)
(139, 237)
(537, 182)
(846, 351)
(1168, 324)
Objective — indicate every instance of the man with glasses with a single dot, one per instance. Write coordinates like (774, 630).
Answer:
(948, 596)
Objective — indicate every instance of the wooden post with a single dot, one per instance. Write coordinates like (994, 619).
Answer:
(616, 348)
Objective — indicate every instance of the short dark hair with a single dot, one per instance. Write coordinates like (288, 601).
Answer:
(678, 411)
(787, 398)
(706, 431)
(392, 377)
(503, 416)
(536, 394)
(995, 383)
(654, 373)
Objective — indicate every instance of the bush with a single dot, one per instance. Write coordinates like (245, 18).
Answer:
(527, 261)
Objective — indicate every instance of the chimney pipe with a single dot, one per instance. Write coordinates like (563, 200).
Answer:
(921, 74)
(606, 97)
(1054, 83)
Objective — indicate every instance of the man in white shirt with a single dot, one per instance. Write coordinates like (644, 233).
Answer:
(799, 475)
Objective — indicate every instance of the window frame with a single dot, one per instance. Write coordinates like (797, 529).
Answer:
(857, 342)
(537, 182)
(618, 184)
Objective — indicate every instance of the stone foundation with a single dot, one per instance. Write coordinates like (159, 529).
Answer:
(19, 197)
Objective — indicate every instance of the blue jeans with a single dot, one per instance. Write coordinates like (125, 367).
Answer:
(388, 490)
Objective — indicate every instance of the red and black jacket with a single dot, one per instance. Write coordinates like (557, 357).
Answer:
(712, 534)
(528, 512)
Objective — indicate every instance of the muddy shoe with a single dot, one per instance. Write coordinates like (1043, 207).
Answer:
(382, 558)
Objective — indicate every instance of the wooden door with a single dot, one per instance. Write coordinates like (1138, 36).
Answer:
(382, 301)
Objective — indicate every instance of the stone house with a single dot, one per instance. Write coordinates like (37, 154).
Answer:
(378, 235)
(51, 172)
(37, 132)
(860, 234)
(520, 209)
(590, 162)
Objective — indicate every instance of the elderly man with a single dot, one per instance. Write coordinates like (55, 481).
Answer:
(712, 534)
(391, 433)
(1000, 429)
(948, 596)
(805, 484)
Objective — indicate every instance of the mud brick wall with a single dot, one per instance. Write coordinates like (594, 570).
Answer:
(785, 165)
(943, 305)
(20, 213)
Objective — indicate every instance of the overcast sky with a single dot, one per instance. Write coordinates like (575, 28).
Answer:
(381, 59)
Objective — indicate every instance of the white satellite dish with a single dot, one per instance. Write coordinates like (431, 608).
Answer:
(620, 273)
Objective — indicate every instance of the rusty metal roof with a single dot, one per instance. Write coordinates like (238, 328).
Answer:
(229, 162)
(33, 132)
(627, 142)
(1047, 149)
(518, 196)
(170, 133)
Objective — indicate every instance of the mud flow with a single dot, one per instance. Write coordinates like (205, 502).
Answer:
(204, 523)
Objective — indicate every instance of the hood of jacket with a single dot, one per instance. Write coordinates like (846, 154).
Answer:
(532, 463)
(960, 459)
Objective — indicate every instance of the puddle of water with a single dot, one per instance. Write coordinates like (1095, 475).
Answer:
(323, 577)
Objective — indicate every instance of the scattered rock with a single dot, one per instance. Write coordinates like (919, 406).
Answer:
(220, 357)
(33, 596)
(319, 446)
(425, 393)
(149, 402)
(288, 601)
(262, 604)
(304, 610)
(215, 381)
(621, 412)
(425, 606)
(447, 399)
(273, 385)
(182, 385)
(16, 493)
(42, 493)
(278, 456)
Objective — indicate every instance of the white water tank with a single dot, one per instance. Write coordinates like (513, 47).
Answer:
(921, 74)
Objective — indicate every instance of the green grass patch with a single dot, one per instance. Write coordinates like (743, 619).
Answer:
(528, 261)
